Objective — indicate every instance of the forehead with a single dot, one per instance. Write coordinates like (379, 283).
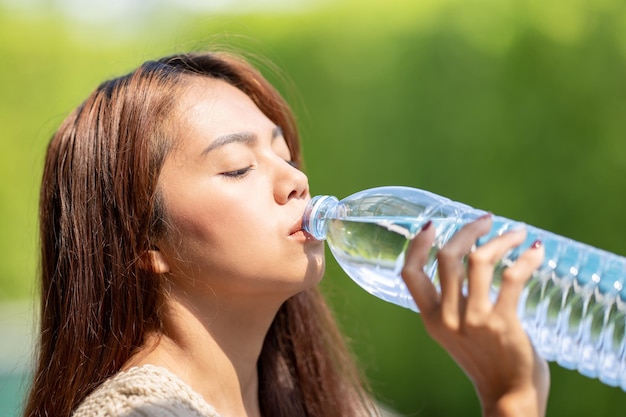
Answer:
(209, 109)
(219, 108)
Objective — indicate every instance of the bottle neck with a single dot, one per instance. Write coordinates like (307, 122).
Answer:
(316, 213)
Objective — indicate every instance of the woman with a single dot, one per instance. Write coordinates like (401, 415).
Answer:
(176, 279)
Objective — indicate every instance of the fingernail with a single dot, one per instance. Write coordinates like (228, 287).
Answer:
(427, 225)
(536, 244)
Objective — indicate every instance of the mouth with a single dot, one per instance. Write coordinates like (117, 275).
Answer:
(297, 231)
(296, 228)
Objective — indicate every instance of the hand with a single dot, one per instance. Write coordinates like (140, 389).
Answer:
(484, 337)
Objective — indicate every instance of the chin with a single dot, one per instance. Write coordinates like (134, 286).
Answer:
(315, 268)
(310, 277)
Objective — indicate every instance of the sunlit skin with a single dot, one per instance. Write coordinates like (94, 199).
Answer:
(484, 337)
(236, 202)
(235, 250)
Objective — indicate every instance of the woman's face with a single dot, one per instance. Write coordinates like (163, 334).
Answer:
(234, 202)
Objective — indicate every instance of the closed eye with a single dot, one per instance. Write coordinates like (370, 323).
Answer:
(238, 173)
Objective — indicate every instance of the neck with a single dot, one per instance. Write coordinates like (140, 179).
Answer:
(214, 347)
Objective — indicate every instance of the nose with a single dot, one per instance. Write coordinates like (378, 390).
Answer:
(291, 183)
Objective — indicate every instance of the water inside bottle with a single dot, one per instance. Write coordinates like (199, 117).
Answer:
(371, 251)
(569, 308)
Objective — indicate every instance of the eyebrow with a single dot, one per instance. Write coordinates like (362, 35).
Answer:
(245, 138)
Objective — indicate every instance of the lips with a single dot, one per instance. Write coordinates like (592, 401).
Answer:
(296, 230)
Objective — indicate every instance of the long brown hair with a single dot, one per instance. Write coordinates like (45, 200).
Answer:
(100, 211)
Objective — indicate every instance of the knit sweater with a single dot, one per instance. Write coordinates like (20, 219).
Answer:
(145, 391)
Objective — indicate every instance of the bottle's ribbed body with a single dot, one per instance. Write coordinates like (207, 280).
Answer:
(573, 307)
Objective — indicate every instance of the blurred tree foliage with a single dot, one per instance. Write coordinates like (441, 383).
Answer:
(516, 107)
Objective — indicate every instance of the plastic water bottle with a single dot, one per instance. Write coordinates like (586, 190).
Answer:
(573, 307)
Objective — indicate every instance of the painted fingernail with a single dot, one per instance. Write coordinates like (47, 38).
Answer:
(536, 244)
(427, 225)
(485, 216)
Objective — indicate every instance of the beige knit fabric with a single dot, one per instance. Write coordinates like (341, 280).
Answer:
(145, 391)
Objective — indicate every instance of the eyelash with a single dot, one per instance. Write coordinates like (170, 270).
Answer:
(237, 174)
(241, 173)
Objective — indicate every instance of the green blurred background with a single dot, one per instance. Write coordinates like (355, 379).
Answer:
(516, 107)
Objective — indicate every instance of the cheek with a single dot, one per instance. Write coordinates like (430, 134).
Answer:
(216, 234)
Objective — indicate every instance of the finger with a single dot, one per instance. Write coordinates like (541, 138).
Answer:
(480, 269)
(419, 284)
(515, 277)
(452, 269)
